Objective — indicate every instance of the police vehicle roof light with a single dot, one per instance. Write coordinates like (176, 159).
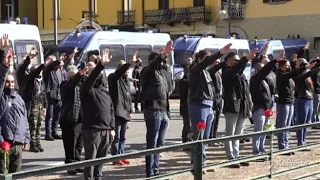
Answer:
(25, 20)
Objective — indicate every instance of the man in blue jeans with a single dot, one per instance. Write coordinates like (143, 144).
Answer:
(155, 95)
(262, 100)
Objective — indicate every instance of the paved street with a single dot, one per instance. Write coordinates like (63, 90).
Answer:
(54, 153)
(178, 160)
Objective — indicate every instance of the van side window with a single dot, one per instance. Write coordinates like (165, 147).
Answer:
(243, 52)
(22, 48)
(117, 53)
(157, 49)
(143, 52)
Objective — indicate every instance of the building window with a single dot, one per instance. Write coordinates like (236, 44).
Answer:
(127, 7)
(163, 4)
(93, 5)
(198, 3)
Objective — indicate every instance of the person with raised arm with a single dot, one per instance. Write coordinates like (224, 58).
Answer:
(201, 95)
(14, 127)
(237, 101)
(98, 121)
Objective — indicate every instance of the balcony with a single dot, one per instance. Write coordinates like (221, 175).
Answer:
(178, 15)
(128, 18)
(236, 10)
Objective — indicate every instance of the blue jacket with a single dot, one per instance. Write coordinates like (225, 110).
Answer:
(14, 123)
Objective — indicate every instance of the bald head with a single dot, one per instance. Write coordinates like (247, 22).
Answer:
(258, 67)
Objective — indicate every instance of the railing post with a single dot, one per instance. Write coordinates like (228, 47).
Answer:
(271, 156)
(6, 177)
(197, 165)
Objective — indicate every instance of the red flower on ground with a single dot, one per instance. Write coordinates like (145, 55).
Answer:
(268, 112)
(5, 146)
(201, 125)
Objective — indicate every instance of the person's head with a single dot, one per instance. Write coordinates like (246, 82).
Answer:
(265, 60)
(294, 57)
(10, 81)
(201, 55)
(300, 62)
(232, 58)
(152, 56)
(216, 63)
(139, 62)
(93, 58)
(91, 66)
(284, 66)
(121, 63)
(71, 73)
(189, 61)
(258, 67)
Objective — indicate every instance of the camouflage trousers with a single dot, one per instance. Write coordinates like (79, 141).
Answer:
(36, 117)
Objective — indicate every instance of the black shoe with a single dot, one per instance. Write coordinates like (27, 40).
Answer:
(40, 147)
(242, 141)
(80, 170)
(234, 166)
(186, 149)
(247, 140)
(268, 137)
(244, 164)
(49, 138)
(34, 148)
(287, 154)
(56, 136)
(293, 153)
(72, 172)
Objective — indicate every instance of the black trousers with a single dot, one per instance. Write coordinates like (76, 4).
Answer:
(137, 99)
(72, 141)
(14, 160)
(96, 144)
(186, 128)
(215, 123)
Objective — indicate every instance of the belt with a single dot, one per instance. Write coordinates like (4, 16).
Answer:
(14, 143)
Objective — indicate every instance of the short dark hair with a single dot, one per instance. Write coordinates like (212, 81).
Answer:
(231, 54)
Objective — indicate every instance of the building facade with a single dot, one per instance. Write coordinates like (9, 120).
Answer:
(249, 18)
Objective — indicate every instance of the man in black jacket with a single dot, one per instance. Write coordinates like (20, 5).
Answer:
(119, 88)
(53, 76)
(98, 121)
(237, 101)
(156, 103)
(136, 75)
(183, 92)
(215, 74)
(70, 119)
(262, 100)
(316, 97)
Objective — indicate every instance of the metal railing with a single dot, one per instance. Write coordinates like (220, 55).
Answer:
(237, 9)
(198, 167)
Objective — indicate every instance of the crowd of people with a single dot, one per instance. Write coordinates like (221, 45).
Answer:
(93, 109)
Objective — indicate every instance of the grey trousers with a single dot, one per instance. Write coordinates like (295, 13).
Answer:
(234, 126)
(96, 143)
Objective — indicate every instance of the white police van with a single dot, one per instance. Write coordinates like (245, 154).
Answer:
(121, 45)
(23, 37)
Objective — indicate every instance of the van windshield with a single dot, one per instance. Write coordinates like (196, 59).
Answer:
(58, 51)
(276, 53)
(180, 57)
(23, 47)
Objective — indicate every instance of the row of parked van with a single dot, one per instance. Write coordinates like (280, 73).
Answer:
(122, 46)
(187, 46)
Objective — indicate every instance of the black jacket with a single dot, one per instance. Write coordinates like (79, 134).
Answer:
(305, 90)
(271, 79)
(119, 88)
(136, 75)
(316, 82)
(53, 79)
(217, 83)
(96, 104)
(70, 95)
(200, 82)
(261, 93)
(286, 85)
(236, 90)
(155, 92)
